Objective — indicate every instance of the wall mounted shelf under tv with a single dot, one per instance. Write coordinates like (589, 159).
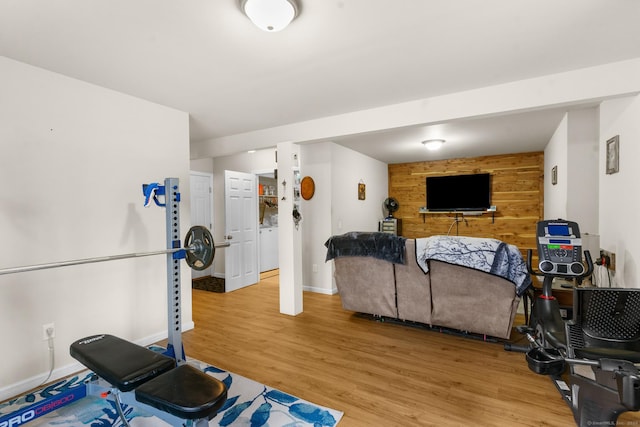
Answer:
(492, 210)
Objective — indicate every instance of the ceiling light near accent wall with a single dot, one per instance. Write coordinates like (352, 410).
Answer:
(433, 144)
(270, 15)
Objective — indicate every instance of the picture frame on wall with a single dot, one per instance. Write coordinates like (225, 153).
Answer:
(613, 155)
(362, 194)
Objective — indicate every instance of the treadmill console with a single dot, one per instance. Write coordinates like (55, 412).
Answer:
(560, 248)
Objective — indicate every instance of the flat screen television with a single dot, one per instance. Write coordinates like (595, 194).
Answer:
(459, 192)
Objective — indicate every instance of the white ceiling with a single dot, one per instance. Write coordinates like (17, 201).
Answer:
(206, 58)
(512, 133)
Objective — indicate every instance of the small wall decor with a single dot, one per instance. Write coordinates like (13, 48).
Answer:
(297, 217)
(554, 175)
(613, 154)
(362, 194)
(307, 187)
(296, 185)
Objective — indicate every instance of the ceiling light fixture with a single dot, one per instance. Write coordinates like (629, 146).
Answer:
(433, 144)
(270, 15)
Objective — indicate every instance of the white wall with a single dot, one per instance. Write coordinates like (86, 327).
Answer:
(74, 158)
(202, 165)
(348, 169)
(289, 233)
(573, 148)
(555, 154)
(316, 226)
(619, 199)
(335, 208)
(582, 168)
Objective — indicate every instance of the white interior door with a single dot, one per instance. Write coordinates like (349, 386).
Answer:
(241, 230)
(201, 185)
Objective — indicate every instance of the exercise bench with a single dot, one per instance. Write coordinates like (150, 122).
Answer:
(141, 376)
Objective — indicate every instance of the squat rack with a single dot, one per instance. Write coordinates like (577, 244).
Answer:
(174, 301)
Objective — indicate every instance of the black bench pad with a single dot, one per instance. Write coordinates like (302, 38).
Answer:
(123, 364)
(185, 392)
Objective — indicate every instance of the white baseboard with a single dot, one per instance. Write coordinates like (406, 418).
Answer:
(16, 389)
(325, 291)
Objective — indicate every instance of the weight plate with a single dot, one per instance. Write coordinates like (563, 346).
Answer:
(199, 246)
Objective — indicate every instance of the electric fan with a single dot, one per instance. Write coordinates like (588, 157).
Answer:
(391, 205)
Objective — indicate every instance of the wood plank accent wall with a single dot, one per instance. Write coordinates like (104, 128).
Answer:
(517, 191)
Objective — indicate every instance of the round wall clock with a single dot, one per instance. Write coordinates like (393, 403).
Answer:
(307, 187)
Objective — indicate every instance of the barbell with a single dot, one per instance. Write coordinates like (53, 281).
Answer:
(198, 251)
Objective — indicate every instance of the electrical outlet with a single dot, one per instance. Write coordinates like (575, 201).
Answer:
(314, 268)
(610, 258)
(48, 331)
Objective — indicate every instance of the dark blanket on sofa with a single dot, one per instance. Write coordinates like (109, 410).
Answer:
(384, 246)
(488, 255)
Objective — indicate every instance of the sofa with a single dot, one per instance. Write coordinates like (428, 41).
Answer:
(443, 293)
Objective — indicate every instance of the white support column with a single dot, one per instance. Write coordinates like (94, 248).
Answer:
(290, 241)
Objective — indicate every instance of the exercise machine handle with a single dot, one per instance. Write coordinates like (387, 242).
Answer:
(587, 257)
(530, 264)
(586, 273)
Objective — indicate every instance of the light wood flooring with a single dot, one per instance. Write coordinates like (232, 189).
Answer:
(377, 373)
